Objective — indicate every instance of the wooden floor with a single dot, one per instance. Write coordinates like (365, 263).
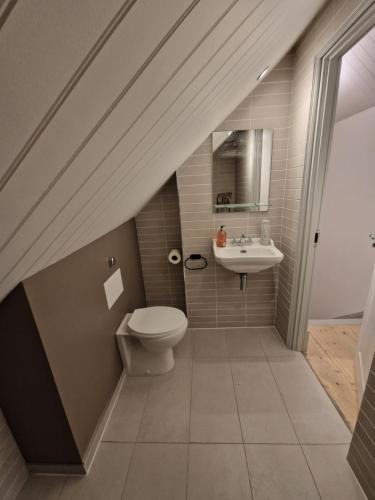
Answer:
(331, 354)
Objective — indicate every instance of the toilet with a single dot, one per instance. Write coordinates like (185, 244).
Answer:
(146, 339)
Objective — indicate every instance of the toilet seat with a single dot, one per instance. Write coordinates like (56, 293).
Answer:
(156, 331)
(156, 322)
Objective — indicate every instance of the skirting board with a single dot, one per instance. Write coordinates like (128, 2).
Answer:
(84, 468)
(328, 322)
(100, 428)
(57, 469)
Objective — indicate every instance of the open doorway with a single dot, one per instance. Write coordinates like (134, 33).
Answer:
(345, 256)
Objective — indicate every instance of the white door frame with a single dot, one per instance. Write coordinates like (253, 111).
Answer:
(321, 121)
(366, 344)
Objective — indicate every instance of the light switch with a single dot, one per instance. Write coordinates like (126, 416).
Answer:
(113, 288)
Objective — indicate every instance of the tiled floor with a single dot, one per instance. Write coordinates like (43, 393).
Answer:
(240, 417)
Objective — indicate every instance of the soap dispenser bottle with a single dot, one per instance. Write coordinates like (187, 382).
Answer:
(221, 238)
(265, 232)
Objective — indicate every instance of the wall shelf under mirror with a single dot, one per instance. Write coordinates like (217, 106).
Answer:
(241, 162)
(228, 207)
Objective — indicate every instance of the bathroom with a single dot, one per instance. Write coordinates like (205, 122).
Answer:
(135, 362)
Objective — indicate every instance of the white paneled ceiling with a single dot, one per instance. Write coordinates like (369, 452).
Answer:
(102, 101)
(357, 78)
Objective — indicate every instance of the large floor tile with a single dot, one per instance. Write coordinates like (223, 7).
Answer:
(272, 343)
(106, 478)
(42, 487)
(315, 419)
(218, 472)
(184, 349)
(244, 342)
(332, 473)
(214, 416)
(263, 416)
(127, 413)
(157, 472)
(279, 472)
(207, 344)
(167, 410)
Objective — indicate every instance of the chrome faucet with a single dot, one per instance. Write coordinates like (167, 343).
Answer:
(242, 241)
(243, 238)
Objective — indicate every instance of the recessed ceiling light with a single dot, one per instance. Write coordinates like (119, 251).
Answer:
(263, 73)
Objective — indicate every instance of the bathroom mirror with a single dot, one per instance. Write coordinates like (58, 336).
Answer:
(241, 170)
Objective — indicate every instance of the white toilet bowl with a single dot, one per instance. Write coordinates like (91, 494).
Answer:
(156, 330)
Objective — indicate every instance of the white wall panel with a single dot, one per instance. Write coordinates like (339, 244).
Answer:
(169, 73)
(88, 107)
(211, 108)
(42, 44)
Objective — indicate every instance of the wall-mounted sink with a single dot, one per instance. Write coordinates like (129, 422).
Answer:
(250, 258)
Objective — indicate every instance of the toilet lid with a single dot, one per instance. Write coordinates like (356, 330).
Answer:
(156, 320)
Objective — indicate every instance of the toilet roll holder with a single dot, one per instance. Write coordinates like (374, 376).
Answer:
(195, 257)
(174, 256)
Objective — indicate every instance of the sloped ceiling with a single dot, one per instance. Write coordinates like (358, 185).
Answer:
(102, 100)
(357, 78)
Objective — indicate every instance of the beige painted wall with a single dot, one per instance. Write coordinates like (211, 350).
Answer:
(77, 329)
(316, 37)
(213, 296)
(159, 231)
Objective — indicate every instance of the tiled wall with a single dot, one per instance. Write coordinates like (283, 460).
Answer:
(159, 231)
(362, 449)
(13, 472)
(213, 296)
(321, 30)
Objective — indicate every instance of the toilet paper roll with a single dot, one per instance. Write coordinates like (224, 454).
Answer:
(174, 256)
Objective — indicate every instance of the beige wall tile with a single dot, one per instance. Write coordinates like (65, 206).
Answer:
(213, 296)
(159, 231)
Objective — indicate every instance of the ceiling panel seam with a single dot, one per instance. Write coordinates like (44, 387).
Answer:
(100, 122)
(165, 115)
(229, 73)
(173, 74)
(64, 94)
(229, 85)
(214, 98)
(205, 100)
(164, 112)
(103, 159)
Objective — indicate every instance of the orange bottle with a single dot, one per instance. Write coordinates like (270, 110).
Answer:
(221, 238)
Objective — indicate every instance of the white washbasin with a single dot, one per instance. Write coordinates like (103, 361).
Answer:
(251, 258)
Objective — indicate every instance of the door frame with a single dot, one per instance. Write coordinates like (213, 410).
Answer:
(366, 344)
(321, 121)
